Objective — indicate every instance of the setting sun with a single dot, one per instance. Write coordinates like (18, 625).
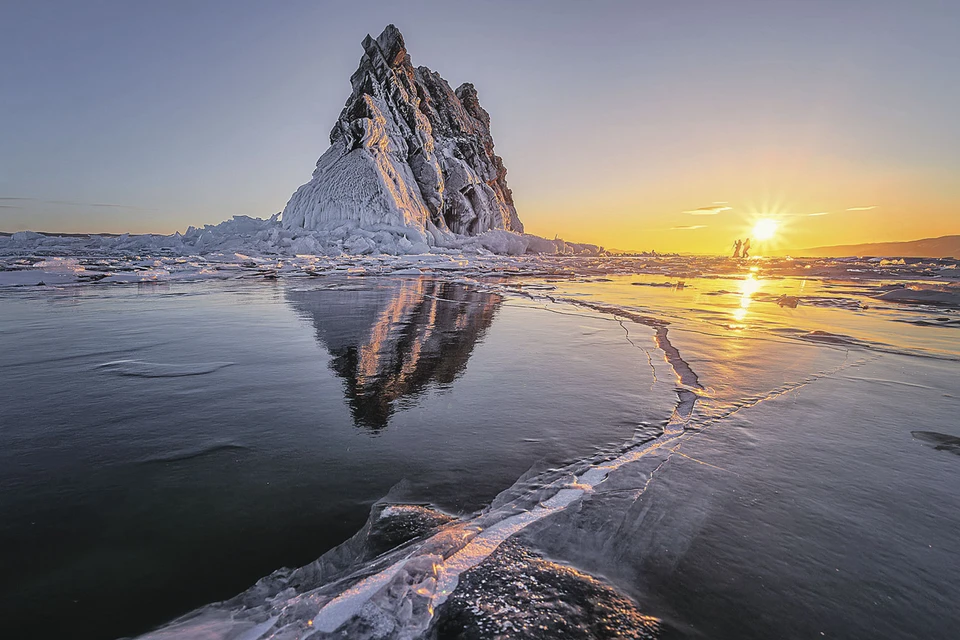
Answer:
(764, 229)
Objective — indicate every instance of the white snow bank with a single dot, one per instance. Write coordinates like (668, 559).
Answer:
(256, 236)
(254, 247)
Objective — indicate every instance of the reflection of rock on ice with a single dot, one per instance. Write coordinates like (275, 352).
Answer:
(392, 339)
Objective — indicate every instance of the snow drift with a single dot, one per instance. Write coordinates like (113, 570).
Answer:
(260, 237)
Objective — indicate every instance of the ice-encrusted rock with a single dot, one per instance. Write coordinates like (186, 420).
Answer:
(407, 152)
(411, 170)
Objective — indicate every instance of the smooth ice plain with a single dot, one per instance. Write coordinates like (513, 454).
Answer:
(478, 446)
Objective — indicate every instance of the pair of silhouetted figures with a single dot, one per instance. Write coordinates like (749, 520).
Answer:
(741, 249)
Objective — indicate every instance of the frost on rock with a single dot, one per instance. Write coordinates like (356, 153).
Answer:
(407, 152)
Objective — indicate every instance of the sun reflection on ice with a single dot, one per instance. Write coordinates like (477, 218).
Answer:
(748, 286)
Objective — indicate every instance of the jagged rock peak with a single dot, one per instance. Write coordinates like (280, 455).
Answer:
(407, 151)
(390, 43)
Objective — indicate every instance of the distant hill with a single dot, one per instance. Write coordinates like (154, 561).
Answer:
(943, 247)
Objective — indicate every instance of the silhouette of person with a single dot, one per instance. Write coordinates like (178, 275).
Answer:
(736, 248)
(746, 248)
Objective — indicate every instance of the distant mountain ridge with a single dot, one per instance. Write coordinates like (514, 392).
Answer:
(942, 247)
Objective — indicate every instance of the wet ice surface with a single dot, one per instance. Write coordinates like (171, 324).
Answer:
(765, 451)
(141, 477)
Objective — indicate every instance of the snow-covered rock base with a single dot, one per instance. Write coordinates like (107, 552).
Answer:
(257, 236)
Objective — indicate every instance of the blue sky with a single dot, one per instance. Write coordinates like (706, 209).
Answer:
(626, 113)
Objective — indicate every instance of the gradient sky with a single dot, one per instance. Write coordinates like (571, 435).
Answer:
(613, 118)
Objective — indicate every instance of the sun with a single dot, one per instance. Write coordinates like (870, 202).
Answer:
(765, 229)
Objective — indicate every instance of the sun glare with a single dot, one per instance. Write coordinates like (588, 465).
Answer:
(764, 229)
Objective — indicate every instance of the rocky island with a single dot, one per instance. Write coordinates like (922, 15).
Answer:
(407, 151)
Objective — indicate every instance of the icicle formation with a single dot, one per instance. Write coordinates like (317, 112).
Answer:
(407, 151)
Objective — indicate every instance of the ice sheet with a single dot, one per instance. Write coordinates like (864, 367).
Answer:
(853, 323)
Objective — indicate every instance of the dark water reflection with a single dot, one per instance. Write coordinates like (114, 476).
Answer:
(162, 447)
(395, 338)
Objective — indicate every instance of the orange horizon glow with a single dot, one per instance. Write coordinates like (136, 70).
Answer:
(701, 205)
(774, 229)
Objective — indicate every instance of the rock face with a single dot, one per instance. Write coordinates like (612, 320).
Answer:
(407, 151)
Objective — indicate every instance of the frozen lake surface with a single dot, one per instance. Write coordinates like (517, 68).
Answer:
(490, 448)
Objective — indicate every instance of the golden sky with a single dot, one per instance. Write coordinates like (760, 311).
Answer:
(705, 209)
